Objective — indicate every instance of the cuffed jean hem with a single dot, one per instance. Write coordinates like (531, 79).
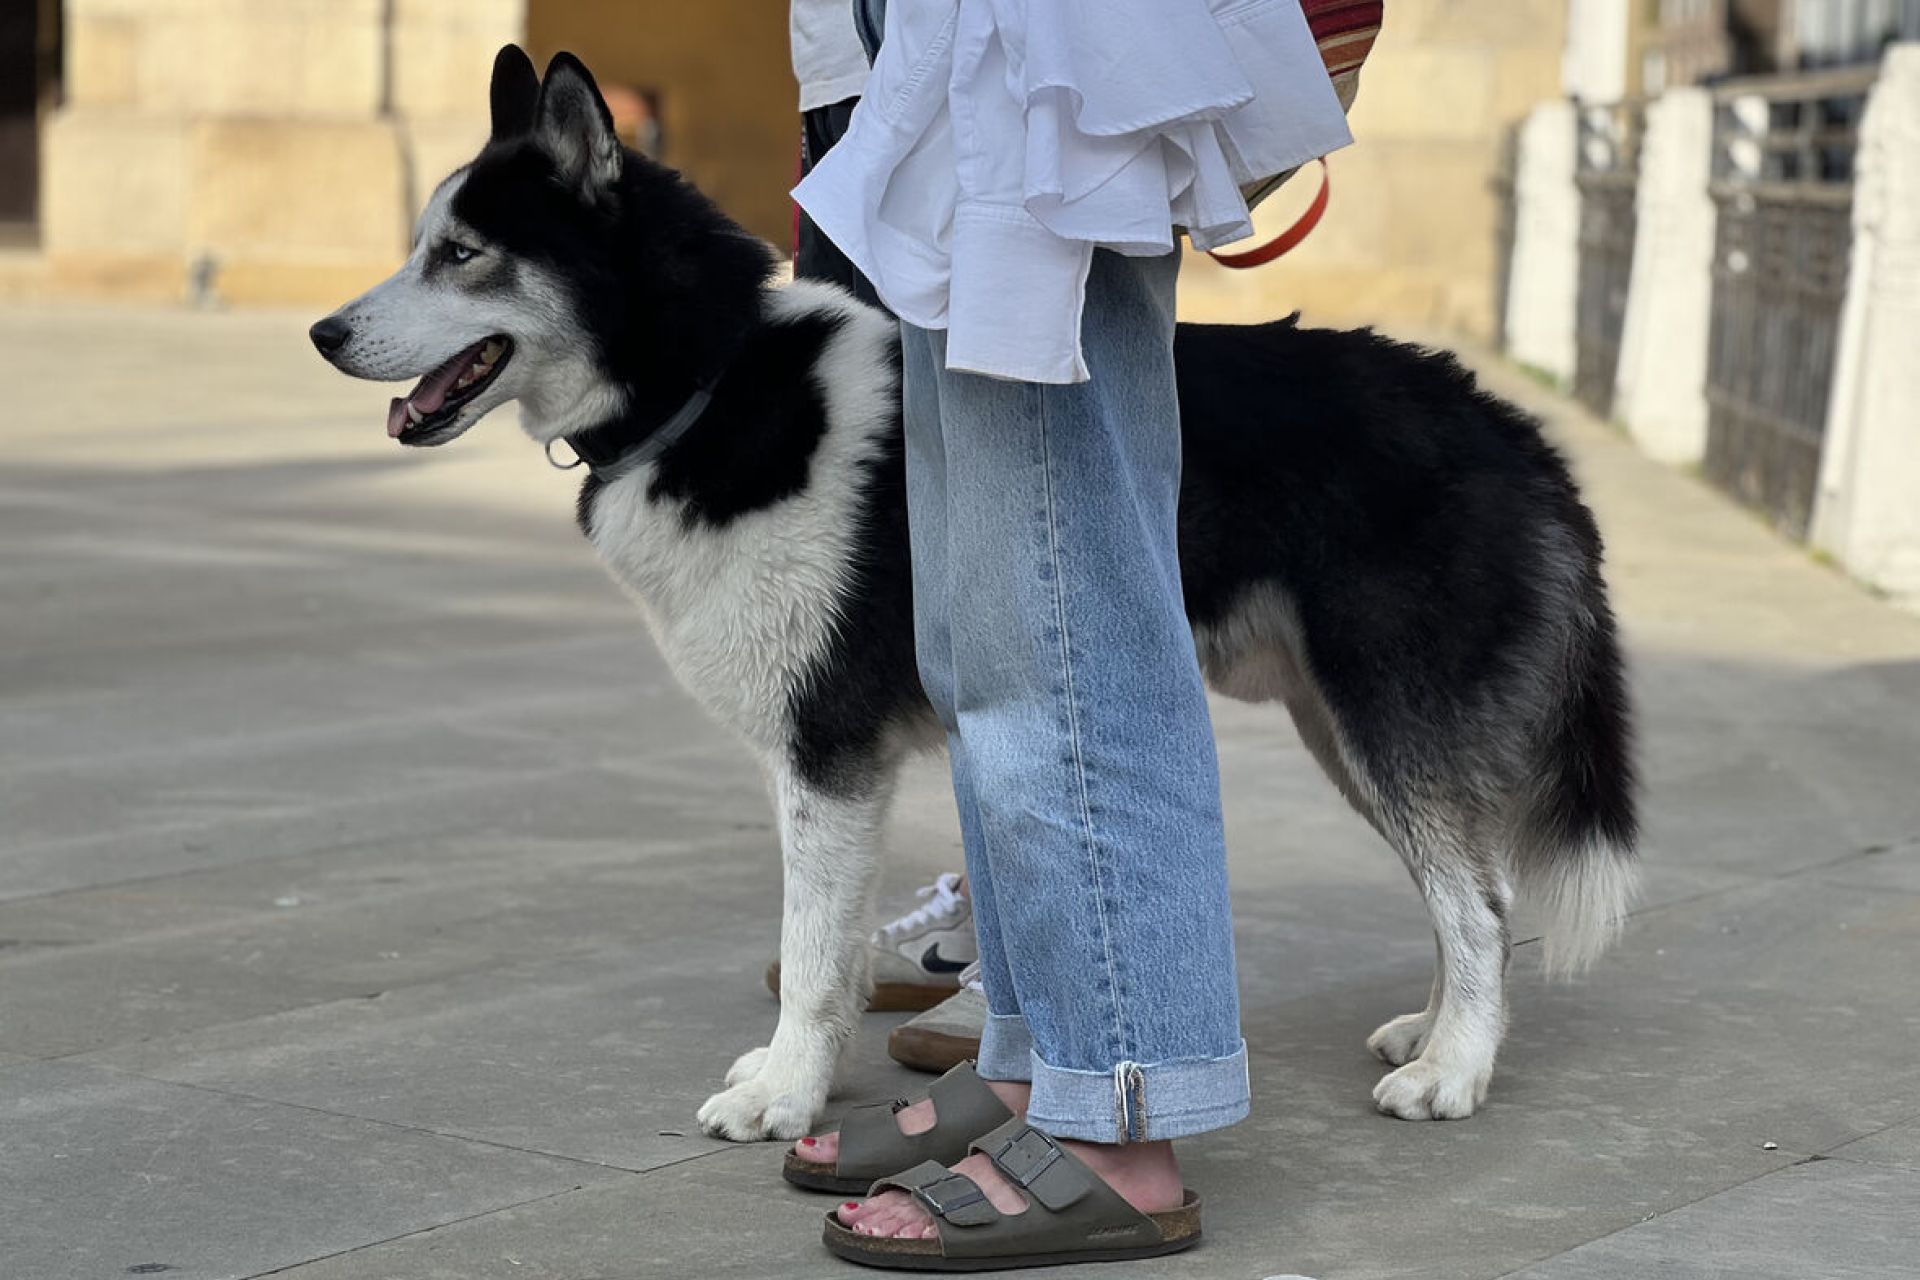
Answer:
(1006, 1049)
(1141, 1101)
(1134, 1102)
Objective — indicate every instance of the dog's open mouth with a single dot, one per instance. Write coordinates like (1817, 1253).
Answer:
(431, 406)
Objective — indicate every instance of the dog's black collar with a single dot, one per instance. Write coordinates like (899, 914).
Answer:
(609, 450)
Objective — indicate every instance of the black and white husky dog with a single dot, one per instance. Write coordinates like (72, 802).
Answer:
(1393, 555)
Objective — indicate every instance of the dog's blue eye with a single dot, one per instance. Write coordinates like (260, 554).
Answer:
(460, 252)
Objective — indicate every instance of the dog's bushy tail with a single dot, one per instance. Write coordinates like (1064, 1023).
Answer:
(1574, 855)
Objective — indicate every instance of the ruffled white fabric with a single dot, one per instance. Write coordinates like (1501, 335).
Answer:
(999, 142)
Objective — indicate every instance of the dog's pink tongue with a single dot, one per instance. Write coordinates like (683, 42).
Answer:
(432, 391)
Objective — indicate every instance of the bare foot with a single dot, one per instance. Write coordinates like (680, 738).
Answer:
(1144, 1173)
(917, 1118)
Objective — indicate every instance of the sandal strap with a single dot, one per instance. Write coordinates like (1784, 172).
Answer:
(949, 1196)
(871, 1144)
(1035, 1163)
(1068, 1208)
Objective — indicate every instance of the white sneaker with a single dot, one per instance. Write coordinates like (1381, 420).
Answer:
(946, 1035)
(918, 958)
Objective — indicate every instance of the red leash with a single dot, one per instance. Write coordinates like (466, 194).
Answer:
(1287, 240)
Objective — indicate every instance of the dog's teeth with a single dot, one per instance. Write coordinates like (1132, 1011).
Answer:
(414, 414)
(491, 352)
(478, 369)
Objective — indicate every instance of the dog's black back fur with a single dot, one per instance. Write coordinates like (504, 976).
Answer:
(1420, 551)
(1428, 537)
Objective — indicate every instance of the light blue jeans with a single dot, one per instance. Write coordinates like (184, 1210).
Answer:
(1054, 644)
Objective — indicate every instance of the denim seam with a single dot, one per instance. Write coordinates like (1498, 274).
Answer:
(1073, 716)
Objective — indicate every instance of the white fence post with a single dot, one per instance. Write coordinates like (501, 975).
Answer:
(1660, 389)
(1544, 275)
(1867, 508)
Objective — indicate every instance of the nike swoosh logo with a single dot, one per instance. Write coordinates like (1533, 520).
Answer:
(933, 962)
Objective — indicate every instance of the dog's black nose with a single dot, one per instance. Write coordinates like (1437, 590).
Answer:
(330, 335)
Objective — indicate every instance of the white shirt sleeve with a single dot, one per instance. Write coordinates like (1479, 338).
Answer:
(1002, 141)
(827, 58)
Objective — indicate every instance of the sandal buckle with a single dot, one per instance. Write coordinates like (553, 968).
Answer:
(1025, 1162)
(965, 1194)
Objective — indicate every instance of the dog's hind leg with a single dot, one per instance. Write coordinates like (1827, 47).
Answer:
(1450, 1046)
(829, 840)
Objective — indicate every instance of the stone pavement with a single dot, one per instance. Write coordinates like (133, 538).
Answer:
(373, 905)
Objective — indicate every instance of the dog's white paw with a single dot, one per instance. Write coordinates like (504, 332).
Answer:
(1428, 1089)
(747, 1065)
(1399, 1042)
(759, 1108)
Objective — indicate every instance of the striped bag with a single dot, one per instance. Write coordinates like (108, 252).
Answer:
(1345, 31)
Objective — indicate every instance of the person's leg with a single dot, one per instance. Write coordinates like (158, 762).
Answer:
(1081, 715)
(935, 567)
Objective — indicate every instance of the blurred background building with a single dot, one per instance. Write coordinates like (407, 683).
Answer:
(1715, 229)
(1689, 212)
(273, 150)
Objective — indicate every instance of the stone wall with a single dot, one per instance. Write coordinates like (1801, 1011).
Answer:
(254, 151)
(275, 151)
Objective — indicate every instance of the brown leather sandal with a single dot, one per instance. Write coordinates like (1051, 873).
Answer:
(872, 1146)
(1071, 1215)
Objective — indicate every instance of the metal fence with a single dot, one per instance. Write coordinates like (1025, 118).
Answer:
(1608, 173)
(1783, 191)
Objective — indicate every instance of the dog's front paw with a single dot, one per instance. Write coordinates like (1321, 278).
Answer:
(1399, 1042)
(747, 1066)
(1426, 1089)
(757, 1108)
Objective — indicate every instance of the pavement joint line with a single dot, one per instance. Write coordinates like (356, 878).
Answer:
(1656, 1215)
(78, 1056)
(329, 807)
(253, 741)
(348, 1000)
(687, 844)
(388, 1124)
(1832, 1152)
(487, 1213)
(1750, 879)
(404, 1235)
(1819, 1157)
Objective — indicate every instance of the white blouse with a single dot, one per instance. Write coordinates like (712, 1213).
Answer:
(999, 142)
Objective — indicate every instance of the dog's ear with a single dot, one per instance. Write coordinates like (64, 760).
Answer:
(515, 93)
(575, 127)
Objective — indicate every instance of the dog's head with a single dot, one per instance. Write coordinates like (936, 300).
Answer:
(557, 269)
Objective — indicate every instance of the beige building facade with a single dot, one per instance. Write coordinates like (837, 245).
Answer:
(1416, 228)
(254, 151)
(274, 152)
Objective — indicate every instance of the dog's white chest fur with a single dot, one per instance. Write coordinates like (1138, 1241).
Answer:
(742, 611)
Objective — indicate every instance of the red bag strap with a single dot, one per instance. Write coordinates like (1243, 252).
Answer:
(1289, 239)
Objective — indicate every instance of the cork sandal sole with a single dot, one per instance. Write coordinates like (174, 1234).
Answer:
(811, 1175)
(1179, 1230)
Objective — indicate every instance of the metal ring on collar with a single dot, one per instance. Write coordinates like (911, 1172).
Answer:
(578, 461)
